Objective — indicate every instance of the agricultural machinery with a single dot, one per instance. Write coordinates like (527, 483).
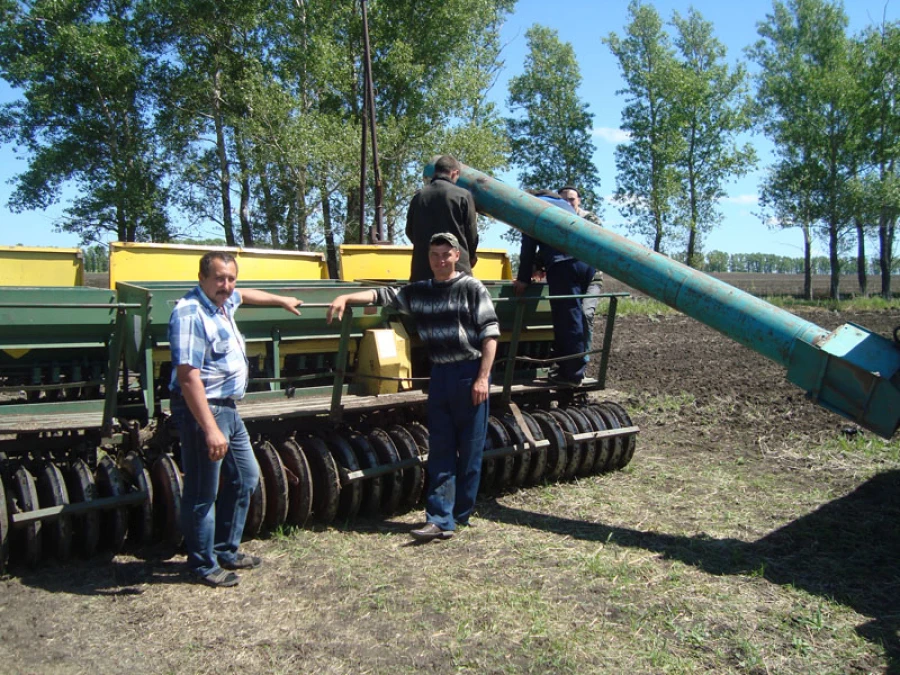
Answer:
(89, 459)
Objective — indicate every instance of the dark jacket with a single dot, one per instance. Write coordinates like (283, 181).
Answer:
(441, 206)
(549, 255)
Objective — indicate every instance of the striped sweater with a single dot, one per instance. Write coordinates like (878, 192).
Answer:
(452, 317)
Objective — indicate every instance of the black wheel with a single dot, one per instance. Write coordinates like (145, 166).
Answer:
(413, 477)
(300, 486)
(521, 461)
(272, 474)
(325, 477)
(22, 498)
(589, 448)
(538, 455)
(256, 512)
(574, 451)
(618, 447)
(498, 437)
(420, 433)
(4, 530)
(556, 451)
(52, 491)
(604, 445)
(81, 488)
(630, 441)
(113, 522)
(137, 478)
(167, 487)
(393, 484)
(370, 504)
(351, 493)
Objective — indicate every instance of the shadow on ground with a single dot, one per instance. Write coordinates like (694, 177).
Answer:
(847, 550)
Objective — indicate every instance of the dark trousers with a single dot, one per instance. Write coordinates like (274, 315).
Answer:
(569, 277)
(456, 436)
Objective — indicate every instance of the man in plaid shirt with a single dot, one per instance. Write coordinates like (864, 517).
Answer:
(209, 375)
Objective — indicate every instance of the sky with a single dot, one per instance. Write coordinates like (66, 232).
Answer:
(583, 24)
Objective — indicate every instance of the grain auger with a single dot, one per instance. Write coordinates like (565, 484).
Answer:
(850, 371)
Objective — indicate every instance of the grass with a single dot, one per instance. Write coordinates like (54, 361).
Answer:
(644, 306)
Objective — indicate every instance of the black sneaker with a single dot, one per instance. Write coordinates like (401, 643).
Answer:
(242, 561)
(221, 579)
(564, 382)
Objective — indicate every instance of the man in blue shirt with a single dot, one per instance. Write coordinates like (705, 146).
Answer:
(566, 276)
(209, 374)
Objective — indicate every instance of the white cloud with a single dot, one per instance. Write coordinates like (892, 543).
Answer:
(742, 199)
(611, 135)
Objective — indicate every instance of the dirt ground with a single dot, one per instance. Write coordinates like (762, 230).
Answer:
(141, 614)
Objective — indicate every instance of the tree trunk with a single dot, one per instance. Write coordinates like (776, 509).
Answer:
(886, 228)
(269, 210)
(224, 174)
(807, 263)
(862, 267)
(244, 211)
(330, 248)
(352, 234)
(834, 259)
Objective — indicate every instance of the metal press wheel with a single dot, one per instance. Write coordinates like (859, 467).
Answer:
(52, 491)
(630, 441)
(325, 478)
(370, 504)
(521, 461)
(574, 451)
(413, 477)
(351, 493)
(604, 445)
(300, 486)
(393, 485)
(556, 451)
(167, 487)
(4, 530)
(498, 437)
(589, 448)
(276, 485)
(256, 512)
(140, 521)
(113, 522)
(618, 447)
(21, 498)
(81, 488)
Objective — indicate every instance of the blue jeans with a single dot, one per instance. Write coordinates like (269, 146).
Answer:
(213, 514)
(569, 277)
(456, 436)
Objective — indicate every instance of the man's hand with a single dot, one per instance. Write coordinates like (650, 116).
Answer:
(216, 444)
(336, 309)
(480, 390)
(519, 287)
(291, 304)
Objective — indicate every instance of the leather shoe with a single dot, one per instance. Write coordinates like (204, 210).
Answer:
(430, 531)
(242, 561)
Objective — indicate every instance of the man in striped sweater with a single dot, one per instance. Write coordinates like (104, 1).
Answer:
(455, 318)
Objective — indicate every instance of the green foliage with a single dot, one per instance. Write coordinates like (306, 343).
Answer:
(551, 139)
(646, 174)
(685, 107)
(84, 118)
(242, 114)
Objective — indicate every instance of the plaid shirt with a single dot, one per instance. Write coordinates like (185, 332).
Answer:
(205, 337)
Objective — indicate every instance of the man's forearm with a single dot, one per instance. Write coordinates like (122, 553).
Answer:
(488, 352)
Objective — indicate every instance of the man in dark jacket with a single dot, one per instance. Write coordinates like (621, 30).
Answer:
(442, 206)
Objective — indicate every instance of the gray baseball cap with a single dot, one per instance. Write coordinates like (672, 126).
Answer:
(445, 238)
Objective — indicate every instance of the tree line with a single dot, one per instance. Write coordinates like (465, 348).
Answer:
(168, 115)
